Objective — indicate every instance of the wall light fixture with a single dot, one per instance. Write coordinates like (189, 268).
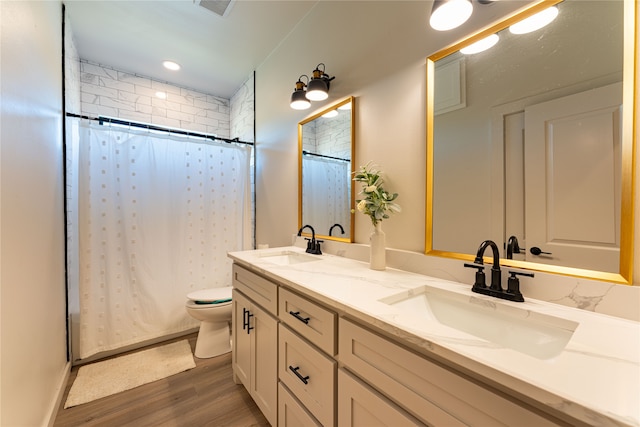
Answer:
(449, 14)
(317, 89)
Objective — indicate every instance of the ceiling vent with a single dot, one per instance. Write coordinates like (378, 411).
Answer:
(219, 7)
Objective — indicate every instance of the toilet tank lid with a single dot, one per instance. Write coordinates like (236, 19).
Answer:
(211, 295)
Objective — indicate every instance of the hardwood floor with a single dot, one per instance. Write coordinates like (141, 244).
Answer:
(203, 396)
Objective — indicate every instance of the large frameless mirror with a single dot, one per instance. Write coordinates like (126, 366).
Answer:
(530, 143)
(326, 147)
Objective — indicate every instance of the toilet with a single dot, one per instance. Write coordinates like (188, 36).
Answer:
(213, 308)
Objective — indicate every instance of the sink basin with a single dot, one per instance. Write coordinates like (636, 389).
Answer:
(288, 257)
(535, 334)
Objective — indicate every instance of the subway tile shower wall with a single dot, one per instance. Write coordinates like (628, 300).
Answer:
(108, 92)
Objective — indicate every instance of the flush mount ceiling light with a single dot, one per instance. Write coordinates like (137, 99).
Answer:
(317, 89)
(298, 99)
(481, 45)
(535, 22)
(449, 14)
(170, 65)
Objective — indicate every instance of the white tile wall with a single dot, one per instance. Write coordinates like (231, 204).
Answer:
(242, 111)
(105, 91)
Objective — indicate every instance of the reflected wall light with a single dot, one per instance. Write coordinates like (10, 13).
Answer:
(449, 14)
(481, 45)
(535, 22)
(298, 99)
(317, 89)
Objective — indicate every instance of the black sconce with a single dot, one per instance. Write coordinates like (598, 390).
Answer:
(317, 89)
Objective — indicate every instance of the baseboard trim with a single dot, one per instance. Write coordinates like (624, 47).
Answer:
(62, 385)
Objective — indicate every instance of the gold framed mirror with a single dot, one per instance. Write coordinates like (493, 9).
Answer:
(326, 148)
(512, 153)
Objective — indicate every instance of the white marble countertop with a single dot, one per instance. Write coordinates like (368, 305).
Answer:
(595, 378)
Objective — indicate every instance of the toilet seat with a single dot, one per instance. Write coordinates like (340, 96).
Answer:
(211, 296)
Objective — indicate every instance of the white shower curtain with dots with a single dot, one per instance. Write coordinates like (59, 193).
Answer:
(328, 182)
(158, 214)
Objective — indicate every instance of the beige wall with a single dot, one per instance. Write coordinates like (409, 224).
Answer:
(377, 52)
(33, 353)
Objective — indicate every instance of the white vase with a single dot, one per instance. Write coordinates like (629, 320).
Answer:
(377, 249)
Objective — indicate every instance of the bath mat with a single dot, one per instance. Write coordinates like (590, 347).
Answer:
(122, 373)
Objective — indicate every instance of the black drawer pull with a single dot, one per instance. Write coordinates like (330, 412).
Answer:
(296, 314)
(295, 371)
(246, 320)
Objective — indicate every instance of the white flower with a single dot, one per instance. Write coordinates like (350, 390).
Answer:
(377, 202)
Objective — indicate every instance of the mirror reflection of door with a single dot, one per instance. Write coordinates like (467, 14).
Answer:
(562, 187)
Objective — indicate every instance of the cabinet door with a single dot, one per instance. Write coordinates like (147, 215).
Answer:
(241, 340)
(264, 362)
(361, 406)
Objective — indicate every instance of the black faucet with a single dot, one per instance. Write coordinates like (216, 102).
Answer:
(513, 247)
(313, 245)
(495, 290)
(336, 225)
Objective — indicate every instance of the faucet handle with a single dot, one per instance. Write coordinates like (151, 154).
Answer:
(513, 285)
(481, 280)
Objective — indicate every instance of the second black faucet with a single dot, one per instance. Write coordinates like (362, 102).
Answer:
(313, 245)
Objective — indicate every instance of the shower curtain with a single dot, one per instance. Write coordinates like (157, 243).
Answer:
(327, 182)
(157, 215)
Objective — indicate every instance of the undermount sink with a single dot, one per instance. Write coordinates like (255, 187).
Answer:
(288, 257)
(535, 334)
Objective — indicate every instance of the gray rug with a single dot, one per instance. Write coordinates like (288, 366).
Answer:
(122, 373)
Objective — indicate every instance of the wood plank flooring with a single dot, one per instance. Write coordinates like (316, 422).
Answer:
(203, 396)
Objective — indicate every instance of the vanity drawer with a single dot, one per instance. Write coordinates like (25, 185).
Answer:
(259, 289)
(425, 389)
(310, 320)
(308, 374)
(291, 413)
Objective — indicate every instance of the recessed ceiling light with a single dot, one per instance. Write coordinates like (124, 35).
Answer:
(170, 65)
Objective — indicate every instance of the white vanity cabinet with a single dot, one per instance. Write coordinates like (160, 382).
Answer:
(432, 393)
(255, 339)
(306, 345)
(306, 363)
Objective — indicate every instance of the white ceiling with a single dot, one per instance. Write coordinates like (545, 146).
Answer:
(217, 54)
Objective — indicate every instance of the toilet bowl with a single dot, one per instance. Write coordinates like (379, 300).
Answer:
(212, 307)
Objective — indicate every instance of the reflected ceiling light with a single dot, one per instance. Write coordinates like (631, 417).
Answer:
(330, 114)
(535, 22)
(161, 95)
(449, 14)
(481, 45)
(170, 65)
(298, 99)
(346, 106)
(318, 87)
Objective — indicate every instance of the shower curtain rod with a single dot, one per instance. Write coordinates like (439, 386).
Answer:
(158, 128)
(308, 153)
